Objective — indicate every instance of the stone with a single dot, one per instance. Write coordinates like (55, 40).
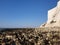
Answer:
(53, 17)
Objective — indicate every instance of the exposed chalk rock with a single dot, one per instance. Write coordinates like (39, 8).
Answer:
(53, 17)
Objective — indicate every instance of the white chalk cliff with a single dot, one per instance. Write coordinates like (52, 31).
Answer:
(53, 17)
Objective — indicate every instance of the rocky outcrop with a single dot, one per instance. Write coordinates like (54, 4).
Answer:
(53, 17)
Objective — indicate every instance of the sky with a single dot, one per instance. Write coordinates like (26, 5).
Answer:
(24, 13)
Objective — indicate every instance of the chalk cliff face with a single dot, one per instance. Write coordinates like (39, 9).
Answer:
(53, 17)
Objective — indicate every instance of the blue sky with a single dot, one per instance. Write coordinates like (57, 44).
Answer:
(24, 13)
